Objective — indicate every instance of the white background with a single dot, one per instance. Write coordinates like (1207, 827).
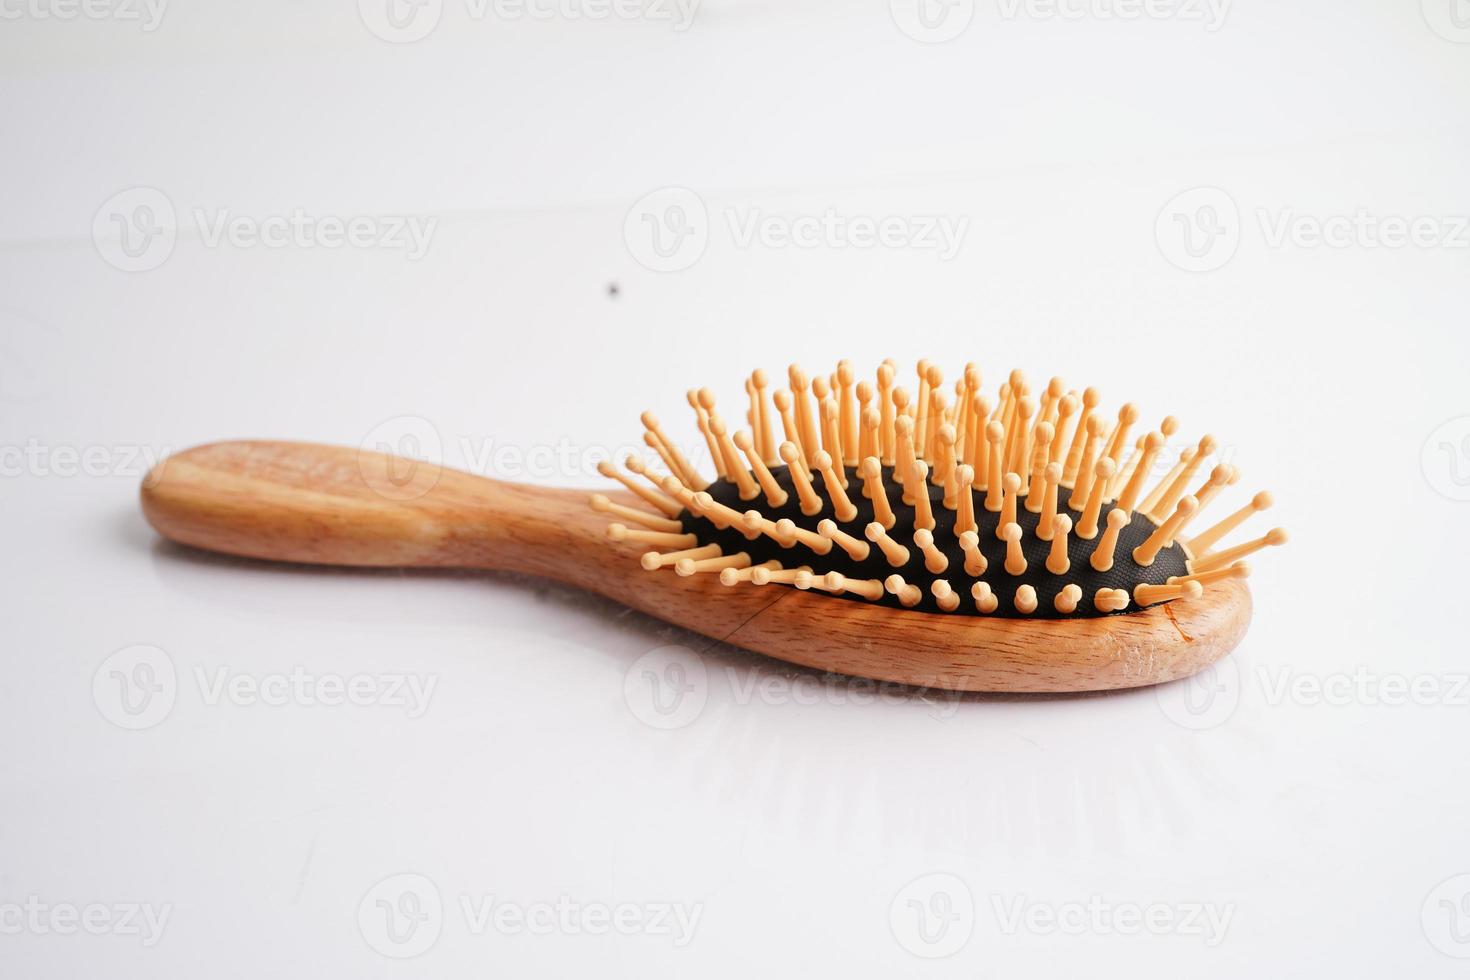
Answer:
(1328, 827)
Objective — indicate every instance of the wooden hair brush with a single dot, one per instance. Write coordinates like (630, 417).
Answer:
(955, 543)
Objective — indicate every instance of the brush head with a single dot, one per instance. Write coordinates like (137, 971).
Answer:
(1018, 507)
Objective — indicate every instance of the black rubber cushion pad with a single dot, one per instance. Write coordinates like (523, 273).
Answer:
(1125, 573)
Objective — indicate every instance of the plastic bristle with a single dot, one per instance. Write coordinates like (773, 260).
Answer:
(907, 594)
(775, 496)
(1068, 599)
(601, 504)
(1176, 488)
(1206, 540)
(1219, 559)
(663, 539)
(652, 560)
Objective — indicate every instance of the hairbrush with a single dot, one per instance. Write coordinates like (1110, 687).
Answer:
(937, 537)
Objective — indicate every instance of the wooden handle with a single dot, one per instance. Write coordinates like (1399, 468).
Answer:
(299, 502)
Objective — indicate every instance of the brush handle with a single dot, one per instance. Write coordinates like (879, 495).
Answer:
(330, 505)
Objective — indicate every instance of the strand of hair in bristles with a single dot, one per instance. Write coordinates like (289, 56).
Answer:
(1047, 451)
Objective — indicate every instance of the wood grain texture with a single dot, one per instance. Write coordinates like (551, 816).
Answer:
(327, 505)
